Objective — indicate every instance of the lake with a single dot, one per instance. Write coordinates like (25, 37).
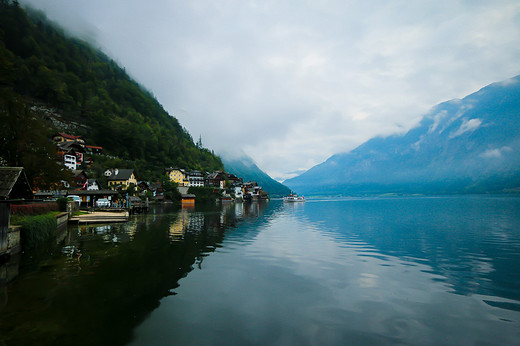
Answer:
(353, 271)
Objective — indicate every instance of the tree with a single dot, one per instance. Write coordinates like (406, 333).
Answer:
(24, 142)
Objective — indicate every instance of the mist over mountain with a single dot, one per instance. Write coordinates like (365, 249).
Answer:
(243, 166)
(461, 146)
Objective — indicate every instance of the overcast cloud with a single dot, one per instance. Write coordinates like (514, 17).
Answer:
(293, 82)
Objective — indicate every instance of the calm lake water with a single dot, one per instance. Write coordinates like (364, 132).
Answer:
(364, 271)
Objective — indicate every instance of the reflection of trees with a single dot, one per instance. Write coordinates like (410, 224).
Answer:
(100, 290)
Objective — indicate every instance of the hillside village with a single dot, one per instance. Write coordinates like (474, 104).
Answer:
(121, 184)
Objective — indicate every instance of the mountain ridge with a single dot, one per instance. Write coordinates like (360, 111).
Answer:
(244, 166)
(467, 145)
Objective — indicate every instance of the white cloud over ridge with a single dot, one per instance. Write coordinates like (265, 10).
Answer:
(467, 126)
(292, 83)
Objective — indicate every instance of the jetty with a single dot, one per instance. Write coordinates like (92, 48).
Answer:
(101, 217)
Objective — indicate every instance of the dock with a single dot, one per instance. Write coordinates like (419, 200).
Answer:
(101, 217)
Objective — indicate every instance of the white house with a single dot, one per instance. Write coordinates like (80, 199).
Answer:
(70, 161)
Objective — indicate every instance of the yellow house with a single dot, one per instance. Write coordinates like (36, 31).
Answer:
(120, 177)
(178, 176)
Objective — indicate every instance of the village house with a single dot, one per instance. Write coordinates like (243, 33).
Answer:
(71, 150)
(80, 179)
(92, 185)
(216, 179)
(120, 177)
(13, 186)
(71, 153)
(178, 176)
(234, 180)
(63, 137)
(93, 149)
(196, 178)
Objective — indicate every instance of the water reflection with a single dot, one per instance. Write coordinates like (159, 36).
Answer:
(472, 242)
(356, 271)
(105, 279)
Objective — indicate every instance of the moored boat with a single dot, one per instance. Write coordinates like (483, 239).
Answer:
(293, 198)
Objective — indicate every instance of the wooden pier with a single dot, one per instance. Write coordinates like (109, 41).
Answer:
(101, 217)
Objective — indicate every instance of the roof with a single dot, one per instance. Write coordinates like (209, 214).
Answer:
(93, 147)
(77, 172)
(64, 135)
(121, 174)
(167, 170)
(14, 183)
(70, 145)
(216, 176)
(93, 192)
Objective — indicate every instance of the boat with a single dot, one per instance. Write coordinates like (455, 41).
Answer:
(293, 198)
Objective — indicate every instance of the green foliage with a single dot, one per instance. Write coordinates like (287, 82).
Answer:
(39, 62)
(62, 203)
(36, 230)
(24, 142)
(170, 190)
(204, 194)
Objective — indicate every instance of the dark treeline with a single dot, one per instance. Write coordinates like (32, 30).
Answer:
(39, 65)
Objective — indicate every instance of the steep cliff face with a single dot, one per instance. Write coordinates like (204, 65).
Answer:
(461, 146)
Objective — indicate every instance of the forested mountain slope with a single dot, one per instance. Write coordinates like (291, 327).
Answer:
(73, 87)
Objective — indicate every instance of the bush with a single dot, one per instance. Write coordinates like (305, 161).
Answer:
(36, 230)
(33, 208)
(204, 194)
(62, 203)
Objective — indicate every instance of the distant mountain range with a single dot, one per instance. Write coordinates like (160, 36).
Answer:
(461, 146)
(243, 166)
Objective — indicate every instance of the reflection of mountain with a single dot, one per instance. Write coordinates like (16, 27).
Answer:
(462, 146)
(467, 240)
(104, 288)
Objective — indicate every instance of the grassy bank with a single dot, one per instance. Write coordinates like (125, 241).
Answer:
(36, 230)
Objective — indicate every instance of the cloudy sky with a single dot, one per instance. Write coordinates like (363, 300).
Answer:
(292, 82)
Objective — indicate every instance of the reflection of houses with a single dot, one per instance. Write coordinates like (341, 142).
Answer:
(120, 177)
(177, 176)
(13, 186)
(178, 227)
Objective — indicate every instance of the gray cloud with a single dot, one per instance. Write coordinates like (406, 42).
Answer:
(292, 83)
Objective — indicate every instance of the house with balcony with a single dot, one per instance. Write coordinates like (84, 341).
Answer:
(196, 178)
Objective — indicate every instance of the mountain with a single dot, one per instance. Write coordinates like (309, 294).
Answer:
(68, 86)
(461, 146)
(244, 167)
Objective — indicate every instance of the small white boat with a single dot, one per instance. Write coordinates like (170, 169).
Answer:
(293, 198)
